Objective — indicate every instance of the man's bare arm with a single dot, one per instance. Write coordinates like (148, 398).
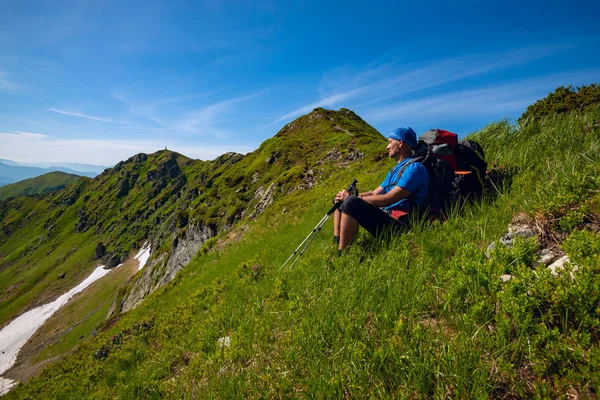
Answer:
(372, 192)
(382, 200)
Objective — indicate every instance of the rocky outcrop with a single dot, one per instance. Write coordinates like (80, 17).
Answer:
(123, 188)
(265, 199)
(100, 251)
(545, 257)
(162, 270)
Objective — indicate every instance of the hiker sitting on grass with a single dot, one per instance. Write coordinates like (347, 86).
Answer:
(387, 207)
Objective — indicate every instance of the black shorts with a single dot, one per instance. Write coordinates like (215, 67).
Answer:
(371, 217)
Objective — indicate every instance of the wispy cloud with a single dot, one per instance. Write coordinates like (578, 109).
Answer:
(30, 135)
(204, 121)
(389, 79)
(41, 148)
(503, 99)
(86, 116)
(6, 85)
(207, 120)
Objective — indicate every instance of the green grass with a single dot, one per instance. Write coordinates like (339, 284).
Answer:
(49, 182)
(423, 314)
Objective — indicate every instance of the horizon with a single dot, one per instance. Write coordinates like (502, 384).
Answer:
(96, 83)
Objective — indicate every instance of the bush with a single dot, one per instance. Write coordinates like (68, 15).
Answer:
(563, 100)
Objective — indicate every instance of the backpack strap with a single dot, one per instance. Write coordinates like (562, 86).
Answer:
(413, 204)
(404, 168)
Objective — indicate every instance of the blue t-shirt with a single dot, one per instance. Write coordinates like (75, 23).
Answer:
(414, 179)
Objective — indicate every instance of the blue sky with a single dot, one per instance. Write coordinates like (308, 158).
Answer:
(98, 81)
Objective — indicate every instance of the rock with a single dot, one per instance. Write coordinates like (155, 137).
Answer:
(266, 198)
(505, 277)
(545, 257)
(168, 169)
(62, 276)
(161, 270)
(123, 188)
(515, 231)
(490, 248)
(560, 264)
(224, 341)
(272, 158)
(100, 251)
(112, 260)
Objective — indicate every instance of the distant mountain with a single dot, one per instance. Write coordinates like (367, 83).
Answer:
(79, 169)
(11, 171)
(5, 181)
(49, 182)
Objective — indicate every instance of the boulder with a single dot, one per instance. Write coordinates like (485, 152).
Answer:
(100, 251)
(123, 188)
(545, 257)
(560, 264)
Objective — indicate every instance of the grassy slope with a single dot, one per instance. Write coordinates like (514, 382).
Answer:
(49, 182)
(39, 239)
(424, 314)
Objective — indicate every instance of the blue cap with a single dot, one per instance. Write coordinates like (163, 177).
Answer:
(407, 135)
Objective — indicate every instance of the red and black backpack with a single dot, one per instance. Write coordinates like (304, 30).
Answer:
(456, 169)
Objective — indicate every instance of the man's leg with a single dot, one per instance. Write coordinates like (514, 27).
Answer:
(348, 229)
(336, 224)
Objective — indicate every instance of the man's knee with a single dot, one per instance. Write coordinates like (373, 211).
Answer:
(349, 204)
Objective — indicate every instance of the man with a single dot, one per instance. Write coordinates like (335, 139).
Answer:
(387, 207)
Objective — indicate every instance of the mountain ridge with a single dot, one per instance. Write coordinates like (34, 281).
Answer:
(48, 182)
(157, 196)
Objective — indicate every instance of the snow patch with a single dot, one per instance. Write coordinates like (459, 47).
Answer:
(6, 385)
(143, 255)
(22, 328)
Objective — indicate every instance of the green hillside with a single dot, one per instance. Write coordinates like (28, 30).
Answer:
(424, 314)
(49, 182)
(158, 197)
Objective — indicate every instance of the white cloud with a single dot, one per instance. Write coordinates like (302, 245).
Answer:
(40, 148)
(30, 135)
(503, 99)
(86, 116)
(206, 120)
(385, 79)
(5, 85)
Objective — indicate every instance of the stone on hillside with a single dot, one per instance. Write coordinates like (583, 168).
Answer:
(168, 169)
(308, 180)
(505, 277)
(123, 188)
(224, 341)
(354, 155)
(265, 199)
(112, 261)
(100, 251)
(545, 257)
(62, 276)
(513, 232)
(272, 158)
(138, 158)
(560, 264)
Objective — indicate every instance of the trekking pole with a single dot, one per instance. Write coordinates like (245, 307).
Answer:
(317, 228)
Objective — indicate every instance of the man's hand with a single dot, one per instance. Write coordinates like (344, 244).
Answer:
(341, 195)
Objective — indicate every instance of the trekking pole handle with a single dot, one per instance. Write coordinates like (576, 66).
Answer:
(351, 189)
